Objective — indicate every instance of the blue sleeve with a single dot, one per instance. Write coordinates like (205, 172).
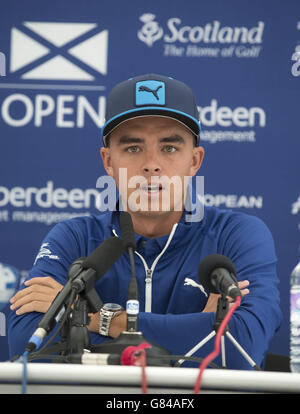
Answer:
(247, 241)
(59, 249)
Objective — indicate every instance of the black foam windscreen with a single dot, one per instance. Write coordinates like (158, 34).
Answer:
(211, 263)
(104, 256)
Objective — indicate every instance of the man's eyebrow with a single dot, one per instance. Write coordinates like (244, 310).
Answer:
(126, 139)
(175, 139)
(172, 139)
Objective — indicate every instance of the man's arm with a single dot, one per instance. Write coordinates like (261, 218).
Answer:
(118, 323)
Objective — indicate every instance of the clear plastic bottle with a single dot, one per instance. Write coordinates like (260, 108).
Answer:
(295, 320)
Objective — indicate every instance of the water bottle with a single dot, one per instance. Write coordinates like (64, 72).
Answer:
(295, 320)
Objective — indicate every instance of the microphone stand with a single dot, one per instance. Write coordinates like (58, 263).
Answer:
(76, 334)
(75, 337)
(222, 309)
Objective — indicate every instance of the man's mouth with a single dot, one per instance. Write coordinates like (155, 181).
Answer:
(152, 189)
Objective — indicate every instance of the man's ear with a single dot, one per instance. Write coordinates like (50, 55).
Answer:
(106, 159)
(198, 155)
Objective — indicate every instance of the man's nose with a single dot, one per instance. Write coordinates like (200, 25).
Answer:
(151, 164)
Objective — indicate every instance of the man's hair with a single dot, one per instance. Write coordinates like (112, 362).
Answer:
(108, 141)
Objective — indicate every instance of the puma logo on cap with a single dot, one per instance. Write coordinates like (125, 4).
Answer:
(154, 91)
(150, 92)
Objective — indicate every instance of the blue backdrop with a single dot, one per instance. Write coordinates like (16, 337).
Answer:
(62, 58)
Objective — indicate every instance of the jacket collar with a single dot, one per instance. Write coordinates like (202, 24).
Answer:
(183, 232)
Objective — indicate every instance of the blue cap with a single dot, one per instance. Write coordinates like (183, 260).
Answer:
(151, 94)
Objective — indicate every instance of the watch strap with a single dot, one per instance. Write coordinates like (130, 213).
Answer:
(106, 317)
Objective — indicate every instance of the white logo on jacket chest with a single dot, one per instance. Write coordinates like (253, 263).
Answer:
(191, 282)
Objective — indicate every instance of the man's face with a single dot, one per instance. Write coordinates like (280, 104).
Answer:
(149, 158)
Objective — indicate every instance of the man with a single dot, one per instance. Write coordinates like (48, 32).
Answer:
(152, 134)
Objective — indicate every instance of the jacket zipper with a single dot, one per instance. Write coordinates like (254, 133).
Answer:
(149, 272)
(148, 290)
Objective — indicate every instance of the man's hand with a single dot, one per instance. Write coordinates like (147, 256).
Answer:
(37, 296)
(211, 305)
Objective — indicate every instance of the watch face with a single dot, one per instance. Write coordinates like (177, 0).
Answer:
(113, 307)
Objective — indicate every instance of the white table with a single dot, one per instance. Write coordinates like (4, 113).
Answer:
(127, 379)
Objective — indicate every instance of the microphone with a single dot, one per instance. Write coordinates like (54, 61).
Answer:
(131, 337)
(104, 256)
(127, 231)
(217, 274)
(84, 277)
(132, 304)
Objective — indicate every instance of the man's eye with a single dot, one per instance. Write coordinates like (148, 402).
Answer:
(169, 148)
(133, 148)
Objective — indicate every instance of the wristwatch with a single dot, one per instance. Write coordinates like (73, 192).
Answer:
(107, 313)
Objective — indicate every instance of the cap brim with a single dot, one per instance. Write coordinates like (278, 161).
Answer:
(188, 121)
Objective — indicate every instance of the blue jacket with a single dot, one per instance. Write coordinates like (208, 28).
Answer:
(170, 309)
